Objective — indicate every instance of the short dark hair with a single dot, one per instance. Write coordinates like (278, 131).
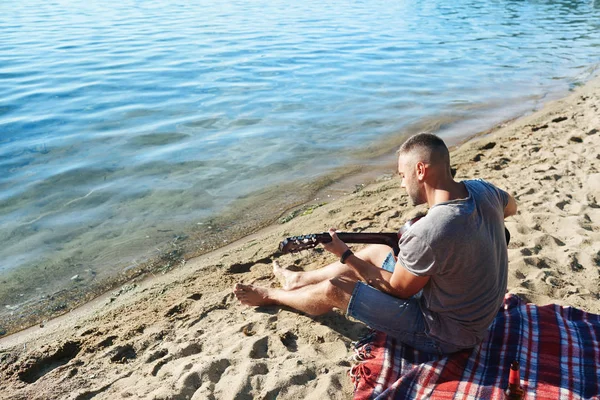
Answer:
(428, 143)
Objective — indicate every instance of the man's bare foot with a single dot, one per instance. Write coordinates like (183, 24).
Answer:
(252, 295)
(287, 278)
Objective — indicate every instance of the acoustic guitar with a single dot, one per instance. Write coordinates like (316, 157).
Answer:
(295, 244)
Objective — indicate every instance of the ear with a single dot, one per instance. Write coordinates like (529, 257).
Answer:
(421, 170)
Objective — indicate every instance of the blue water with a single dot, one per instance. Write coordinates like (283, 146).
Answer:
(122, 122)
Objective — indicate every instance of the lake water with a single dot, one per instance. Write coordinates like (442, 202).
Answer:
(137, 130)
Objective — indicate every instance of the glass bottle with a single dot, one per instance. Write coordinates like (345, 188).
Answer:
(514, 391)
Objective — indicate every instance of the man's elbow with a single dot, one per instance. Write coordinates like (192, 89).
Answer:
(511, 207)
(407, 285)
(400, 292)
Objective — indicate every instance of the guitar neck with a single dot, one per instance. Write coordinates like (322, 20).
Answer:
(298, 243)
(387, 238)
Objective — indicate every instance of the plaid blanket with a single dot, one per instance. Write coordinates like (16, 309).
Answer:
(557, 347)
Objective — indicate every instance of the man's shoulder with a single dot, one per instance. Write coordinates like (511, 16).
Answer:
(480, 187)
(478, 182)
(437, 223)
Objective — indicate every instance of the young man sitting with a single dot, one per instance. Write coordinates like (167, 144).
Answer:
(448, 282)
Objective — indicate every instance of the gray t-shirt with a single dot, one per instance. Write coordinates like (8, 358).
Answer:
(461, 244)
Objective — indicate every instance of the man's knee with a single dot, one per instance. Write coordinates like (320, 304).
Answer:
(374, 253)
(338, 291)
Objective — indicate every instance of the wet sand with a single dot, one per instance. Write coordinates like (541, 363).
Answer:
(182, 334)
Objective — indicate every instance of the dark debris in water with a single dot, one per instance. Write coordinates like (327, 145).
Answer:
(304, 210)
(59, 307)
(358, 188)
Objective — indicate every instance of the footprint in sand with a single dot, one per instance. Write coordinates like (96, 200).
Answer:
(260, 348)
(538, 262)
(585, 222)
(201, 380)
(189, 349)
(156, 355)
(175, 311)
(574, 263)
(37, 367)
(561, 204)
(519, 275)
(122, 354)
(161, 363)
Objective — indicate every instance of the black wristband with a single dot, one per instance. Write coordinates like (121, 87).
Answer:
(345, 256)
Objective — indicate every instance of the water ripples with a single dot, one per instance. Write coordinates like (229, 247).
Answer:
(120, 119)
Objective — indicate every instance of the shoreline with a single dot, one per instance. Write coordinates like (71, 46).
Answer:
(85, 286)
(183, 334)
(224, 227)
(340, 182)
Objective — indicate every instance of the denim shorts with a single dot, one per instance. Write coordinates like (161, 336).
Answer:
(400, 318)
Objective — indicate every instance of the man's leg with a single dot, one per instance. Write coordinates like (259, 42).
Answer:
(316, 299)
(374, 254)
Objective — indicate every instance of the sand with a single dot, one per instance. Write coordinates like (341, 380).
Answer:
(183, 335)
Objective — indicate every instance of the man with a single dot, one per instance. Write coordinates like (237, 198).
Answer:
(450, 276)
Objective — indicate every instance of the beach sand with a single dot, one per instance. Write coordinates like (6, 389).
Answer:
(183, 335)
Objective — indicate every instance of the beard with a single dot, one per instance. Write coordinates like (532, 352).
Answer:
(416, 198)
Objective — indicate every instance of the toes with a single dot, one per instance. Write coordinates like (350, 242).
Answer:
(242, 293)
(240, 290)
(239, 287)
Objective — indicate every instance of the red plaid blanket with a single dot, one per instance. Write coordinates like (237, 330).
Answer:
(557, 347)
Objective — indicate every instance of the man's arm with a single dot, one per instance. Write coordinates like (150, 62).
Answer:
(511, 207)
(401, 283)
(406, 284)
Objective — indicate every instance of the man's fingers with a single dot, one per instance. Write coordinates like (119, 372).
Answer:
(336, 246)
